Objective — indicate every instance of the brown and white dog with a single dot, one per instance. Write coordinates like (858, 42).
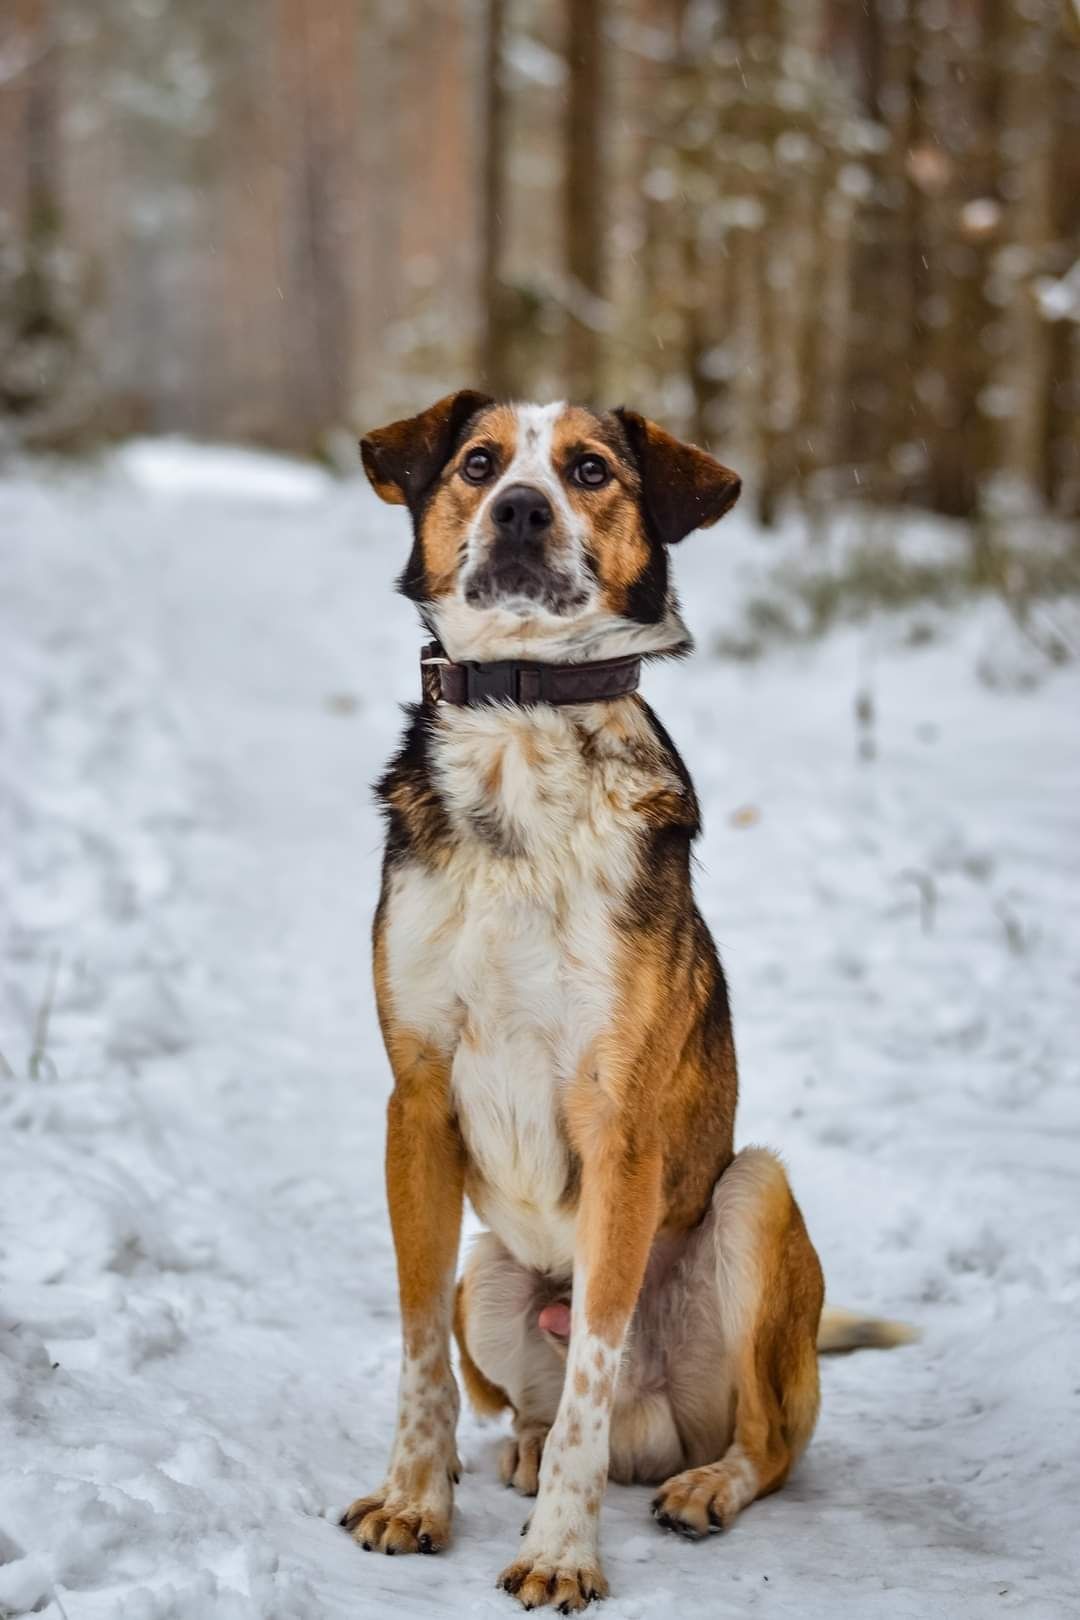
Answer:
(645, 1300)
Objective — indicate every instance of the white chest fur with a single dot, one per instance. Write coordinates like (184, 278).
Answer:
(506, 956)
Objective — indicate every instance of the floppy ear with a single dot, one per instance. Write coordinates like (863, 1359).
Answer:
(682, 487)
(403, 459)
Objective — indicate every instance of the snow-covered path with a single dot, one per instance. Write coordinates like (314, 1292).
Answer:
(200, 661)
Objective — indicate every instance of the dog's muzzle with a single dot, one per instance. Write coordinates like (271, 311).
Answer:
(513, 573)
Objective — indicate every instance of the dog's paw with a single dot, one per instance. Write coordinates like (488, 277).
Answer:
(700, 1502)
(519, 1460)
(390, 1523)
(567, 1585)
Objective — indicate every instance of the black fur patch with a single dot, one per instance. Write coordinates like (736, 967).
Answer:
(682, 487)
(416, 820)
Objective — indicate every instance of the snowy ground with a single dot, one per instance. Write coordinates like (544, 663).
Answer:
(199, 664)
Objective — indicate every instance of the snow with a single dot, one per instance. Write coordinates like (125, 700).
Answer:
(173, 467)
(1059, 299)
(200, 661)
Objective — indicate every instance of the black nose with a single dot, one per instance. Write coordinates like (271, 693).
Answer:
(522, 513)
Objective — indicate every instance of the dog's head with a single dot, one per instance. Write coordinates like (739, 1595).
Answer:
(541, 531)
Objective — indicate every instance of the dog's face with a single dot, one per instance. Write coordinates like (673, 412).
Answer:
(542, 530)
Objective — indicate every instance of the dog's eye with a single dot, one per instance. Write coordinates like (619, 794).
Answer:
(590, 472)
(478, 466)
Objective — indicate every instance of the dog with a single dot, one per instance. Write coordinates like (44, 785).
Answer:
(644, 1300)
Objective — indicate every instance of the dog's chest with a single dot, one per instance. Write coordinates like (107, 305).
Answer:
(507, 956)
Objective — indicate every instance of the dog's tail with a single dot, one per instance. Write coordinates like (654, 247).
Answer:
(841, 1330)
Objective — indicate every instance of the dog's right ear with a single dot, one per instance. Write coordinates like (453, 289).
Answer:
(683, 487)
(403, 459)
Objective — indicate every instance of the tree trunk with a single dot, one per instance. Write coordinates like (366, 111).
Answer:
(314, 67)
(1027, 153)
(583, 198)
(495, 335)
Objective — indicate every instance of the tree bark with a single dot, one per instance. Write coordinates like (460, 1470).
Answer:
(1027, 150)
(495, 335)
(583, 198)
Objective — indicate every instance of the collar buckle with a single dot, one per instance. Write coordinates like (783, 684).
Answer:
(492, 683)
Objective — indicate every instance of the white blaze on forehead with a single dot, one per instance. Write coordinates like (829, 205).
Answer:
(533, 454)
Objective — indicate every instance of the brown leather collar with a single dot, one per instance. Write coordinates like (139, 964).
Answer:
(516, 680)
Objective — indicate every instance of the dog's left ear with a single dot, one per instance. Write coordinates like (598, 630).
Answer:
(683, 488)
(404, 458)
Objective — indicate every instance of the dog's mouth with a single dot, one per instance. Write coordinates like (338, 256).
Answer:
(523, 584)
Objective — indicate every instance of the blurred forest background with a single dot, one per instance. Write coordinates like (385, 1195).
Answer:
(839, 240)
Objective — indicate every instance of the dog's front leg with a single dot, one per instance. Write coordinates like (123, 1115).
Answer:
(425, 1180)
(617, 1217)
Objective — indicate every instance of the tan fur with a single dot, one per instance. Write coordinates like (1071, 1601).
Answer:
(710, 1345)
(451, 510)
(411, 1510)
(488, 1399)
(841, 1331)
(614, 512)
(557, 1024)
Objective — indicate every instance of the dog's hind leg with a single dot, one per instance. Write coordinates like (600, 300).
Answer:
(760, 1327)
(506, 1359)
(485, 1397)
